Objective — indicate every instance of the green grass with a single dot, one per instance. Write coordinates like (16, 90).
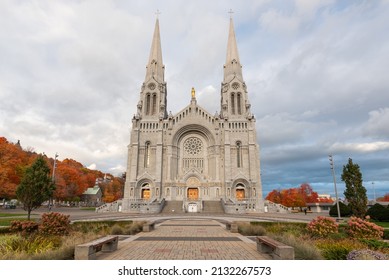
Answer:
(88, 208)
(11, 215)
(382, 224)
(5, 222)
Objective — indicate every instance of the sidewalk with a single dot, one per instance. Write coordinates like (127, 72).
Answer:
(183, 239)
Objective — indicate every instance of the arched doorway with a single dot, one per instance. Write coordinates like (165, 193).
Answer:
(240, 192)
(145, 191)
(193, 193)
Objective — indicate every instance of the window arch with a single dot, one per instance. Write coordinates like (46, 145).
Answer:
(147, 155)
(233, 103)
(238, 103)
(148, 104)
(154, 108)
(238, 154)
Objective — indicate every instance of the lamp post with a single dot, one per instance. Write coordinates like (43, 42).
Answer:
(53, 178)
(373, 192)
(336, 190)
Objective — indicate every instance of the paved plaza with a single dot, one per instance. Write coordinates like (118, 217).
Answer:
(183, 239)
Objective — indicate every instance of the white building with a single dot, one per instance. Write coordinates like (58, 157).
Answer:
(193, 159)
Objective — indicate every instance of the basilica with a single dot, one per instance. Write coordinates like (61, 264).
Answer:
(193, 161)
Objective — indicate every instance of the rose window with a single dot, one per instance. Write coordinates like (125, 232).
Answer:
(193, 146)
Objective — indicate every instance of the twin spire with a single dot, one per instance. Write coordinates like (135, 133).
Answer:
(155, 67)
(232, 67)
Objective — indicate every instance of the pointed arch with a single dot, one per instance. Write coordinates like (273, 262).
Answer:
(154, 106)
(233, 103)
(148, 104)
(239, 103)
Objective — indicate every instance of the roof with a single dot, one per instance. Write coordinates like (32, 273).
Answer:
(92, 191)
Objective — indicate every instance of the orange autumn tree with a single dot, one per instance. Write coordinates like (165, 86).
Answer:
(294, 197)
(384, 198)
(71, 177)
(13, 161)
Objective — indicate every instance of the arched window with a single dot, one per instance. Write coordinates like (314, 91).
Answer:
(238, 154)
(148, 104)
(147, 154)
(233, 104)
(154, 110)
(238, 103)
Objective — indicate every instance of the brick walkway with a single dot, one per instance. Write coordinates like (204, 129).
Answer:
(182, 239)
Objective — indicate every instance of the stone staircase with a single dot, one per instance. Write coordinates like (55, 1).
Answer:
(172, 207)
(214, 207)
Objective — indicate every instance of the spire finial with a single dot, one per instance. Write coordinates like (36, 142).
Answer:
(230, 12)
(157, 13)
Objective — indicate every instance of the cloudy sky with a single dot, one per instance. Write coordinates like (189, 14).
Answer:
(316, 71)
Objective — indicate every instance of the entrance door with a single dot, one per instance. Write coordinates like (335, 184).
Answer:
(193, 193)
(192, 207)
(240, 194)
(146, 193)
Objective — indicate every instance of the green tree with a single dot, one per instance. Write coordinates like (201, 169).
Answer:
(36, 185)
(355, 192)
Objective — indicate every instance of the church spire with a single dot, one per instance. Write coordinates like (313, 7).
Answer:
(232, 67)
(155, 67)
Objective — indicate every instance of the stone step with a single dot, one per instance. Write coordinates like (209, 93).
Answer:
(213, 207)
(172, 207)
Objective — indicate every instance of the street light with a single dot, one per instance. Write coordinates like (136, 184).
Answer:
(373, 191)
(336, 190)
(53, 178)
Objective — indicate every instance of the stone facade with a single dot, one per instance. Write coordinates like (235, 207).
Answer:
(193, 156)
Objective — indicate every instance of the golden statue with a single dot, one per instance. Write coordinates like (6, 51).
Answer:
(193, 93)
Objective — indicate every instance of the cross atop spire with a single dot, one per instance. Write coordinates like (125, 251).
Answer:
(230, 12)
(157, 13)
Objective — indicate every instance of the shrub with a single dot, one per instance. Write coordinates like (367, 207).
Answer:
(54, 224)
(378, 212)
(366, 255)
(294, 228)
(338, 249)
(375, 244)
(24, 227)
(358, 228)
(117, 230)
(304, 249)
(322, 227)
(345, 211)
(251, 230)
(134, 228)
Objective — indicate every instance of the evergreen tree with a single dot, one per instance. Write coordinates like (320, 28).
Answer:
(36, 185)
(355, 192)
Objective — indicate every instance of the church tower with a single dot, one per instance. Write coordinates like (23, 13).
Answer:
(145, 151)
(152, 103)
(234, 101)
(241, 151)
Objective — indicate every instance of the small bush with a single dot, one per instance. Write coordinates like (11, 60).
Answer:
(54, 224)
(322, 227)
(375, 244)
(251, 230)
(117, 230)
(294, 228)
(345, 211)
(339, 249)
(366, 255)
(304, 249)
(134, 228)
(25, 228)
(378, 212)
(358, 228)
